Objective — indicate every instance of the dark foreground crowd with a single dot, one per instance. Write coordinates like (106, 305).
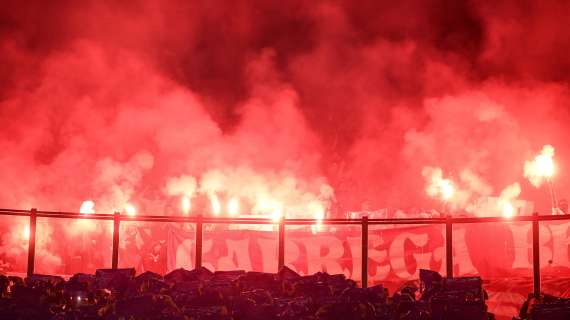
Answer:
(200, 294)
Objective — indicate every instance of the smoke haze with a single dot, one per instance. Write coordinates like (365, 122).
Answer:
(137, 101)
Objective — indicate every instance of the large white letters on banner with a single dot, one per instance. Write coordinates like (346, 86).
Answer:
(461, 257)
(398, 256)
(184, 254)
(393, 254)
(238, 256)
(323, 253)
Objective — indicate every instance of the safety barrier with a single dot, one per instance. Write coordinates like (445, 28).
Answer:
(200, 220)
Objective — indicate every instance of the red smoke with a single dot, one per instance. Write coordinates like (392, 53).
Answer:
(111, 102)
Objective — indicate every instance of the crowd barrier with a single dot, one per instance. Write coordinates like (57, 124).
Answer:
(200, 220)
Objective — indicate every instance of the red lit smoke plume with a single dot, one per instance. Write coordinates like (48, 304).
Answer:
(139, 101)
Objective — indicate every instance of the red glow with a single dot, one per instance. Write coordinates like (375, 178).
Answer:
(310, 111)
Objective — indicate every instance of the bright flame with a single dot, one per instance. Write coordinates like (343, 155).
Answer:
(84, 225)
(216, 207)
(508, 195)
(545, 165)
(26, 232)
(508, 209)
(186, 204)
(447, 189)
(277, 213)
(269, 207)
(318, 212)
(130, 210)
(233, 207)
(87, 207)
(541, 168)
(438, 187)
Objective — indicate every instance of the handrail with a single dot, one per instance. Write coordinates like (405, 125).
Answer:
(291, 221)
(200, 220)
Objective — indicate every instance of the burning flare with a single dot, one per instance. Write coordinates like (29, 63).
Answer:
(233, 207)
(318, 212)
(507, 209)
(130, 210)
(277, 214)
(508, 195)
(542, 168)
(85, 225)
(26, 233)
(267, 206)
(185, 204)
(215, 202)
(447, 190)
(438, 187)
(87, 207)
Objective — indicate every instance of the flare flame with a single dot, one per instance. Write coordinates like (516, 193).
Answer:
(542, 168)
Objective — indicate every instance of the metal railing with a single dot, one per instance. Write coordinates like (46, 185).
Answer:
(199, 220)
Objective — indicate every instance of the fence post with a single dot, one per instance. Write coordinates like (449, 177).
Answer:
(198, 249)
(449, 246)
(535, 255)
(364, 252)
(116, 229)
(32, 241)
(281, 254)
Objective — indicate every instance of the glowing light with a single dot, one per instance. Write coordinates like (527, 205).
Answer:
(317, 227)
(269, 207)
(545, 166)
(130, 210)
(85, 225)
(87, 207)
(447, 189)
(541, 168)
(262, 204)
(277, 213)
(508, 209)
(215, 202)
(26, 233)
(438, 187)
(186, 204)
(233, 207)
(318, 212)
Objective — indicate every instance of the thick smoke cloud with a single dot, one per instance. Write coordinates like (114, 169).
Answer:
(119, 102)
